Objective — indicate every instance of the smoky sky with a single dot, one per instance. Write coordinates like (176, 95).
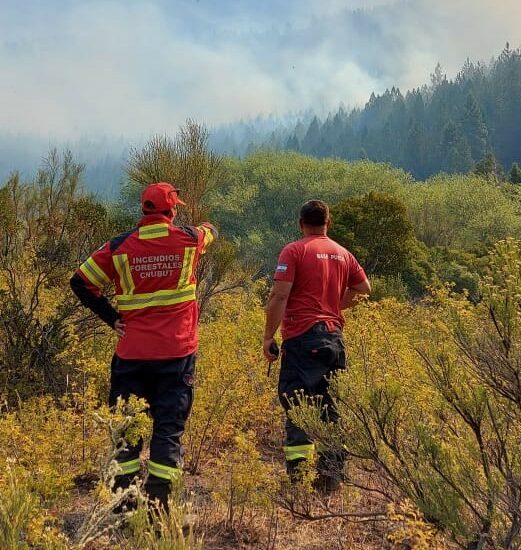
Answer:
(132, 68)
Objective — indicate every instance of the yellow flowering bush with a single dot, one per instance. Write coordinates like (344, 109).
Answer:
(243, 482)
(233, 392)
(430, 406)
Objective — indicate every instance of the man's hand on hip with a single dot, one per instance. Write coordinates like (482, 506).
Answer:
(119, 327)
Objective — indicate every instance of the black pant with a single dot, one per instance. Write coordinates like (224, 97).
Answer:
(307, 361)
(167, 385)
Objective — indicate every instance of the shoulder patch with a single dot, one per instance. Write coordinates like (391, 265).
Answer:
(116, 242)
(281, 268)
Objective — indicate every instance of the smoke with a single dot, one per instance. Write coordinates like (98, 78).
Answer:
(113, 67)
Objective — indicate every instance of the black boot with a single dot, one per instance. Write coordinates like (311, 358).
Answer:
(158, 492)
(330, 468)
(129, 503)
(326, 484)
(295, 470)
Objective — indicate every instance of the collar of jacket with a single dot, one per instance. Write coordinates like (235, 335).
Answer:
(150, 219)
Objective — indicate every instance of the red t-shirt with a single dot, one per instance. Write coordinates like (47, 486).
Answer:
(321, 270)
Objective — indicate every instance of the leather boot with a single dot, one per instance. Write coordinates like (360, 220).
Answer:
(129, 503)
(158, 493)
(294, 470)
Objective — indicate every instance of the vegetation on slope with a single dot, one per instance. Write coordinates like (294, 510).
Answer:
(430, 405)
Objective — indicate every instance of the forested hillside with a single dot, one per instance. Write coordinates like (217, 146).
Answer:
(451, 125)
(447, 126)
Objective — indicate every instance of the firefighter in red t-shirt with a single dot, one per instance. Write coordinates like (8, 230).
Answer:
(314, 281)
(153, 268)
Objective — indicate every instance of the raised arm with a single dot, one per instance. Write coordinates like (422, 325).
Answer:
(209, 234)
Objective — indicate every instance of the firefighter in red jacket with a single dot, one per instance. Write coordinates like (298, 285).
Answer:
(314, 281)
(153, 268)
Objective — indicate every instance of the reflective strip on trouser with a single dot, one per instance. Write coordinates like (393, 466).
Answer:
(299, 452)
(128, 467)
(320, 448)
(94, 273)
(153, 231)
(188, 266)
(127, 302)
(125, 276)
(164, 472)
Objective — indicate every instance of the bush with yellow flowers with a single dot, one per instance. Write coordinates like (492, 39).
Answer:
(430, 407)
(233, 392)
(243, 482)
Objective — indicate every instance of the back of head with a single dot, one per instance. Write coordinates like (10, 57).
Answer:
(160, 198)
(314, 213)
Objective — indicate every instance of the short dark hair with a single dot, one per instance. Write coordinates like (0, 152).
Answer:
(314, 213)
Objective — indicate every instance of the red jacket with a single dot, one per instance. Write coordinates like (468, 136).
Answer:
(153, 268)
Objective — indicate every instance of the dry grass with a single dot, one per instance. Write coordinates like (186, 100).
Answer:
(273, 529)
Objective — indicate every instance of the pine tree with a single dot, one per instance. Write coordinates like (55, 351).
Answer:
(437, 77)
(292, 143)
(300, 131)
(456, 150)
(489, 167)
(416, 149)
(348, 142)
(515, 173)
(474, 127)
(312, 137)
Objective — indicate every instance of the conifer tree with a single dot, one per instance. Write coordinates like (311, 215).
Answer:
(292, 143)
(312, 137)
(489, 167)
(456, 150)
(515, 173)
(474, 127)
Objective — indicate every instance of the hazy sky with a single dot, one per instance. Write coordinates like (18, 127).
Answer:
(131, 67)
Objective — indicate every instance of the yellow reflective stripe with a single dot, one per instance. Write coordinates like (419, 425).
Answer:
(153, 231)
(125, 276)
(320, 448)
(188, 264)
(94, 273)
(129, 467)
(208, 236)
(164, 472)
(128, 302)
(299, 451)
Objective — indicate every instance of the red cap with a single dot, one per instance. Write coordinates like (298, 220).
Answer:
(158, 197)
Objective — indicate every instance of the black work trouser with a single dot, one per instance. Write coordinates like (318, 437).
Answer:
(167, 385)
(307, 363)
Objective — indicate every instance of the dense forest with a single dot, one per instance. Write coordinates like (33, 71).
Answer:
(447, 126)
(450, 125)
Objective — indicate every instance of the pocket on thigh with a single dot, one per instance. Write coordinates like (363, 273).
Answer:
(289, 384)
(189, 382)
